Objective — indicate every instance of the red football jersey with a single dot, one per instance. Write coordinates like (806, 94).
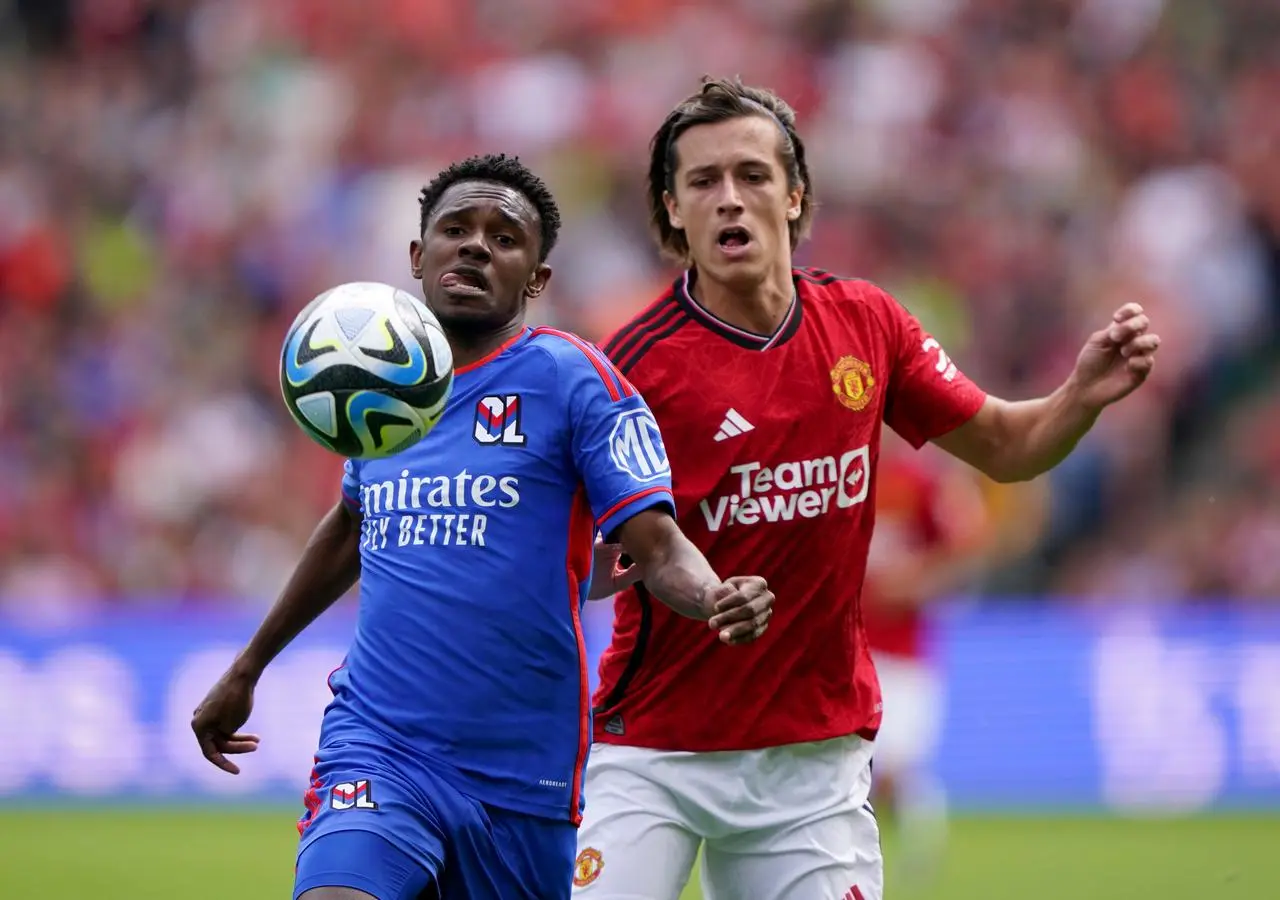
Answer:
(773, 442)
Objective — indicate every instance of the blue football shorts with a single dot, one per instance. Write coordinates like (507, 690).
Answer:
(398, 836)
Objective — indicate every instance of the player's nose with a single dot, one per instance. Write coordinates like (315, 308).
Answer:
(473, 247)
(729, 201)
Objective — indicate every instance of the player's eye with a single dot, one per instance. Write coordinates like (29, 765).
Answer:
(755, 177)
(505, 240)
(453, 230)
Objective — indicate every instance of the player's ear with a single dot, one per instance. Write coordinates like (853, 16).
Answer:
(795, 202)
(673, 210)
(415, 259)
(538, 281)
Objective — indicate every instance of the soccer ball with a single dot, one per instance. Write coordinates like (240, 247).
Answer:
(366, 370)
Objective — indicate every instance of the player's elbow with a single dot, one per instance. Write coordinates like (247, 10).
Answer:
(985, 447)
(1011, 474)
(1009, 462)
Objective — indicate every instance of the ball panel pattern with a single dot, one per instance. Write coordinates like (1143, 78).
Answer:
(366, 370)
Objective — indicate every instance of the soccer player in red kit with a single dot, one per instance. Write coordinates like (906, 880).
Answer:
(770, 385)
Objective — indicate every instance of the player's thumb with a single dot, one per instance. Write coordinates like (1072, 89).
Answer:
(1104, 339)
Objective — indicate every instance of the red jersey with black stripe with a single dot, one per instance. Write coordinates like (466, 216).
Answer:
(468, 658)
(773, 442)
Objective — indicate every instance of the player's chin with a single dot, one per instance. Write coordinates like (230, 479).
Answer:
(465, 310)
(739, 270)
(473, 322)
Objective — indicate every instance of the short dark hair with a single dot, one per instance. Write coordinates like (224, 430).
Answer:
(502, 169)
(718, 100)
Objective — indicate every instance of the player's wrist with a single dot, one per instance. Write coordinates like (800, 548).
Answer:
(707, 601)
(1074, 396)
(248, 665)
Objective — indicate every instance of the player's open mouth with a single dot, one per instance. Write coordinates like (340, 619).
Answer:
(467, 281)
(734, 240)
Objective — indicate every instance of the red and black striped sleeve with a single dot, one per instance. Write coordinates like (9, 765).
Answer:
(659, 321)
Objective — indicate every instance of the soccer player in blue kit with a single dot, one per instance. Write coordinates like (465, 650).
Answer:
(451, 758)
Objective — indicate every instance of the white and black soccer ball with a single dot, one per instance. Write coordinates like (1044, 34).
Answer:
(366, 370)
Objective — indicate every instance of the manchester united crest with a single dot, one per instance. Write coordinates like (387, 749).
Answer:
(587, 867)
(852, 382)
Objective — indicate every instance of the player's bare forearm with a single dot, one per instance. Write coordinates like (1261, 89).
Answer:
(1018, 441)
(668, 563)
(676, 572)
(682, 579)
(738, 609)
(329, 566)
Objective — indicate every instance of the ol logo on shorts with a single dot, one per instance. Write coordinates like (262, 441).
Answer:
(587, 867)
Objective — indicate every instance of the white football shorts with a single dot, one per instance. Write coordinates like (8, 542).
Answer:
(783, 823)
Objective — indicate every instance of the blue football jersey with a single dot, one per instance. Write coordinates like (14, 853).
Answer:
(476, 557)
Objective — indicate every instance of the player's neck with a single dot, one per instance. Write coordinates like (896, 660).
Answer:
(758, 308)
(469, 347)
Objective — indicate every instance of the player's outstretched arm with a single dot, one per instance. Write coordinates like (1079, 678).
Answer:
(677, 573)
(1018, 441)
(329, 566)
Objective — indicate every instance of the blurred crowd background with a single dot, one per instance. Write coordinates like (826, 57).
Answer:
(179, 177)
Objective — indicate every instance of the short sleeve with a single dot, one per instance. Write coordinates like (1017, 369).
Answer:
(617, 446)
(351, 484)
(928, 395)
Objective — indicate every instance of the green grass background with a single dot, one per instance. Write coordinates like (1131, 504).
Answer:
(220, 854)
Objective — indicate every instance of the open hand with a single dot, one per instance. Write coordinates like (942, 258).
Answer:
(740, 608)
(220, 716)
(1116, 360)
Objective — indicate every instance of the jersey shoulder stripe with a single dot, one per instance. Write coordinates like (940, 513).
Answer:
(626, 335)
(651, 339)
(659, 321)
(821, 277)
(614, 382)
(827, 289)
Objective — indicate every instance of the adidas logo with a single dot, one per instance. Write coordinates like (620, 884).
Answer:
(733, 425)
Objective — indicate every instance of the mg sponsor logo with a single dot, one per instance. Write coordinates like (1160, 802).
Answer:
(806, 488)
(636, 446)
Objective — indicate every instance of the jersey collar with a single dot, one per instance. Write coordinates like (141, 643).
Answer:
(749, 340)
(495, 353)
